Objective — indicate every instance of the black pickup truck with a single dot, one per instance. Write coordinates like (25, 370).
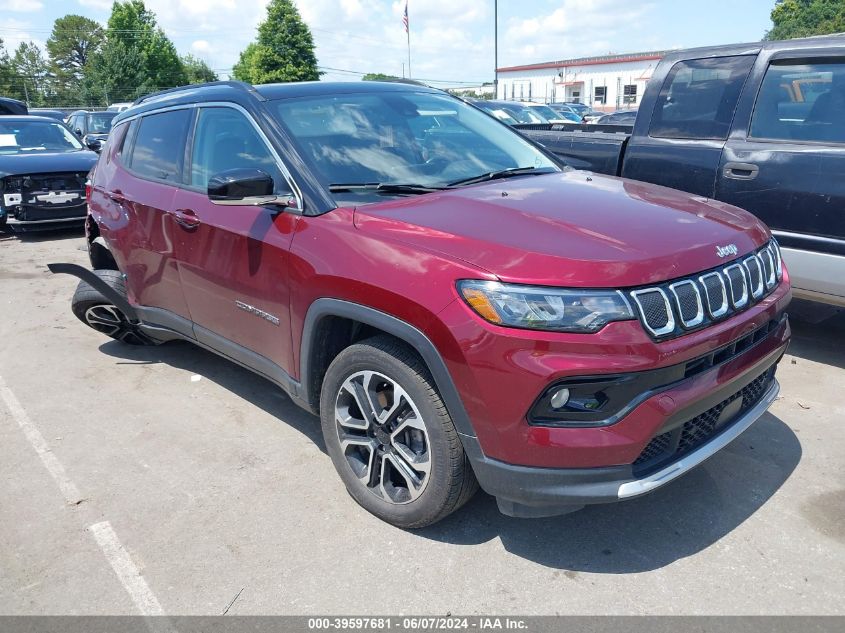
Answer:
(760, 126)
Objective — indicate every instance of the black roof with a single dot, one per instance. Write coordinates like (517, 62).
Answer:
(239, 91)
(750, 48)
(18, 118)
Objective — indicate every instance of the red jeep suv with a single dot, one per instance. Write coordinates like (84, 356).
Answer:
(458, 307)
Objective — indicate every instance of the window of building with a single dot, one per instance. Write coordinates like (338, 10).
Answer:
(629, 94)
(600, 95)
(802, 102)
(160, 145)
(698, 98)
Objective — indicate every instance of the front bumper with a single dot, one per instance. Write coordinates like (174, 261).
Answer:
(524, 491)
(712, 409)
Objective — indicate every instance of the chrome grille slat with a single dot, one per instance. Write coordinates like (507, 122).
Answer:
(755, 276)
(737, 285)
(653, 319)
(715, 293)
(673, 307)
(680, 291)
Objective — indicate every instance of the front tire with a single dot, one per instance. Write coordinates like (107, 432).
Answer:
(97, 312)
(390, 436)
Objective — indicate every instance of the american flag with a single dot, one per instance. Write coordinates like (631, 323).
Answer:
(405, 16)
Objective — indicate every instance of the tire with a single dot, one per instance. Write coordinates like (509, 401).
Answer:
(97, 312)
(410, 469)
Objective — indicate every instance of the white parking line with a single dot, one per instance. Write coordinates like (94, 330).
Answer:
(128, 574)
(50, 461)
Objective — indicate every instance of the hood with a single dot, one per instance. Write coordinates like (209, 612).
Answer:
(570, 229)
(21, 164)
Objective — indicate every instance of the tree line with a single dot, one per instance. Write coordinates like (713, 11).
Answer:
(86, 64)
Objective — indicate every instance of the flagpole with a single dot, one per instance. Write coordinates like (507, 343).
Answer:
(408, 33)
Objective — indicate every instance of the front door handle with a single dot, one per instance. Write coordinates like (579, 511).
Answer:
(741, 171)
(187, 219)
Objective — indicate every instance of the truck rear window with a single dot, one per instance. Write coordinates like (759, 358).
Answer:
(801, 101)
(698, 98)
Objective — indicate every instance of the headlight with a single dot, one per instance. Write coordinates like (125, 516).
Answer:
(541, 308)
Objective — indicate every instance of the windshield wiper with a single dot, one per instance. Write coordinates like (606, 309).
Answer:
(383, 187)
(503, 173)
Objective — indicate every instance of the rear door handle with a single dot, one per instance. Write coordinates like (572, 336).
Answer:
(187, 219)
(741, 171)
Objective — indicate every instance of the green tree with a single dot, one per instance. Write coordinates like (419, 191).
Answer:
(803, 18)
(72, 43)
(30, 68)
(283, 51)
(115, 73)
(379, 77)
(197, 71)
(135, 27)
(8, 86)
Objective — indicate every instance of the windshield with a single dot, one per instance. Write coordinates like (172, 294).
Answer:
(100, 122)
(545, 112)
(19, 137)
(423, 139)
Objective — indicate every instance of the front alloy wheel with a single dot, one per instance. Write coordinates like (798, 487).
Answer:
(390, 437)
(383, 436)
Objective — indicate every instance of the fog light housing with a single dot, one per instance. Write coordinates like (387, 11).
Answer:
(559, 398)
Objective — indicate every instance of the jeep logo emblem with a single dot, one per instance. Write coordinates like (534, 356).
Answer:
(724, 251)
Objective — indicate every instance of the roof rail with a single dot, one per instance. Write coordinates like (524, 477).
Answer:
(239, 85)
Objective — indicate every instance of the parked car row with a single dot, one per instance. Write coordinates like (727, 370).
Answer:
(514, 112)
(456, 306)
(44, 165)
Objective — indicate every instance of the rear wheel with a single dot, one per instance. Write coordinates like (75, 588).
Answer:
(390, 436)
(99, 313)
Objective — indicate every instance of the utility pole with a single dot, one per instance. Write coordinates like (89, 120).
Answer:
(496, 48)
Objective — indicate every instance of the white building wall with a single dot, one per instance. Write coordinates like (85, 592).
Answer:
(579, 83)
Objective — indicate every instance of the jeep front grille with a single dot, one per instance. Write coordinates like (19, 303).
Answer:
(681, 305)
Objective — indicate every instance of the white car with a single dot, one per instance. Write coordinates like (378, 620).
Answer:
(119, 107)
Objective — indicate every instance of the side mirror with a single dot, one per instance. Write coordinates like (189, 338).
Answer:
(241, 187)
(78, 132)
(94, 145)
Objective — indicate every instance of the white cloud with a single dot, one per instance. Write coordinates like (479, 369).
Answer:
(24, 5)
(100, 5)
(571, 29)
(201, 47)
(15, 31)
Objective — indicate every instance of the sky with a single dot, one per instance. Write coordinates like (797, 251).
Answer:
(451, 40)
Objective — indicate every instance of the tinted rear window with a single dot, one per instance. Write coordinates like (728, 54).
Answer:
(802, 101)
(698, 98)
(159, 148)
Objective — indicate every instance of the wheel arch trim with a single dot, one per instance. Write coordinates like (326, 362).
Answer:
(326, 307)
(95, 282)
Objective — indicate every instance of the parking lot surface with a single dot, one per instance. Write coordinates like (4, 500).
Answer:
(136, 479)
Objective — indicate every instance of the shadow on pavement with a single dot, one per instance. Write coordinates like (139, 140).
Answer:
(818, 332)
(679, 520)
(234, 378)
(51, 235)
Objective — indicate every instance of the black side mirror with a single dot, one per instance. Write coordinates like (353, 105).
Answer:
(94, 145)
(246, 187)
(78, 132)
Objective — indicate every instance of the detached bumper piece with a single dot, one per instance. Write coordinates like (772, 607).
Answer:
(44, 199)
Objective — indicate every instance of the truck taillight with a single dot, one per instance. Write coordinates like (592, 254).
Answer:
(88, 190)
